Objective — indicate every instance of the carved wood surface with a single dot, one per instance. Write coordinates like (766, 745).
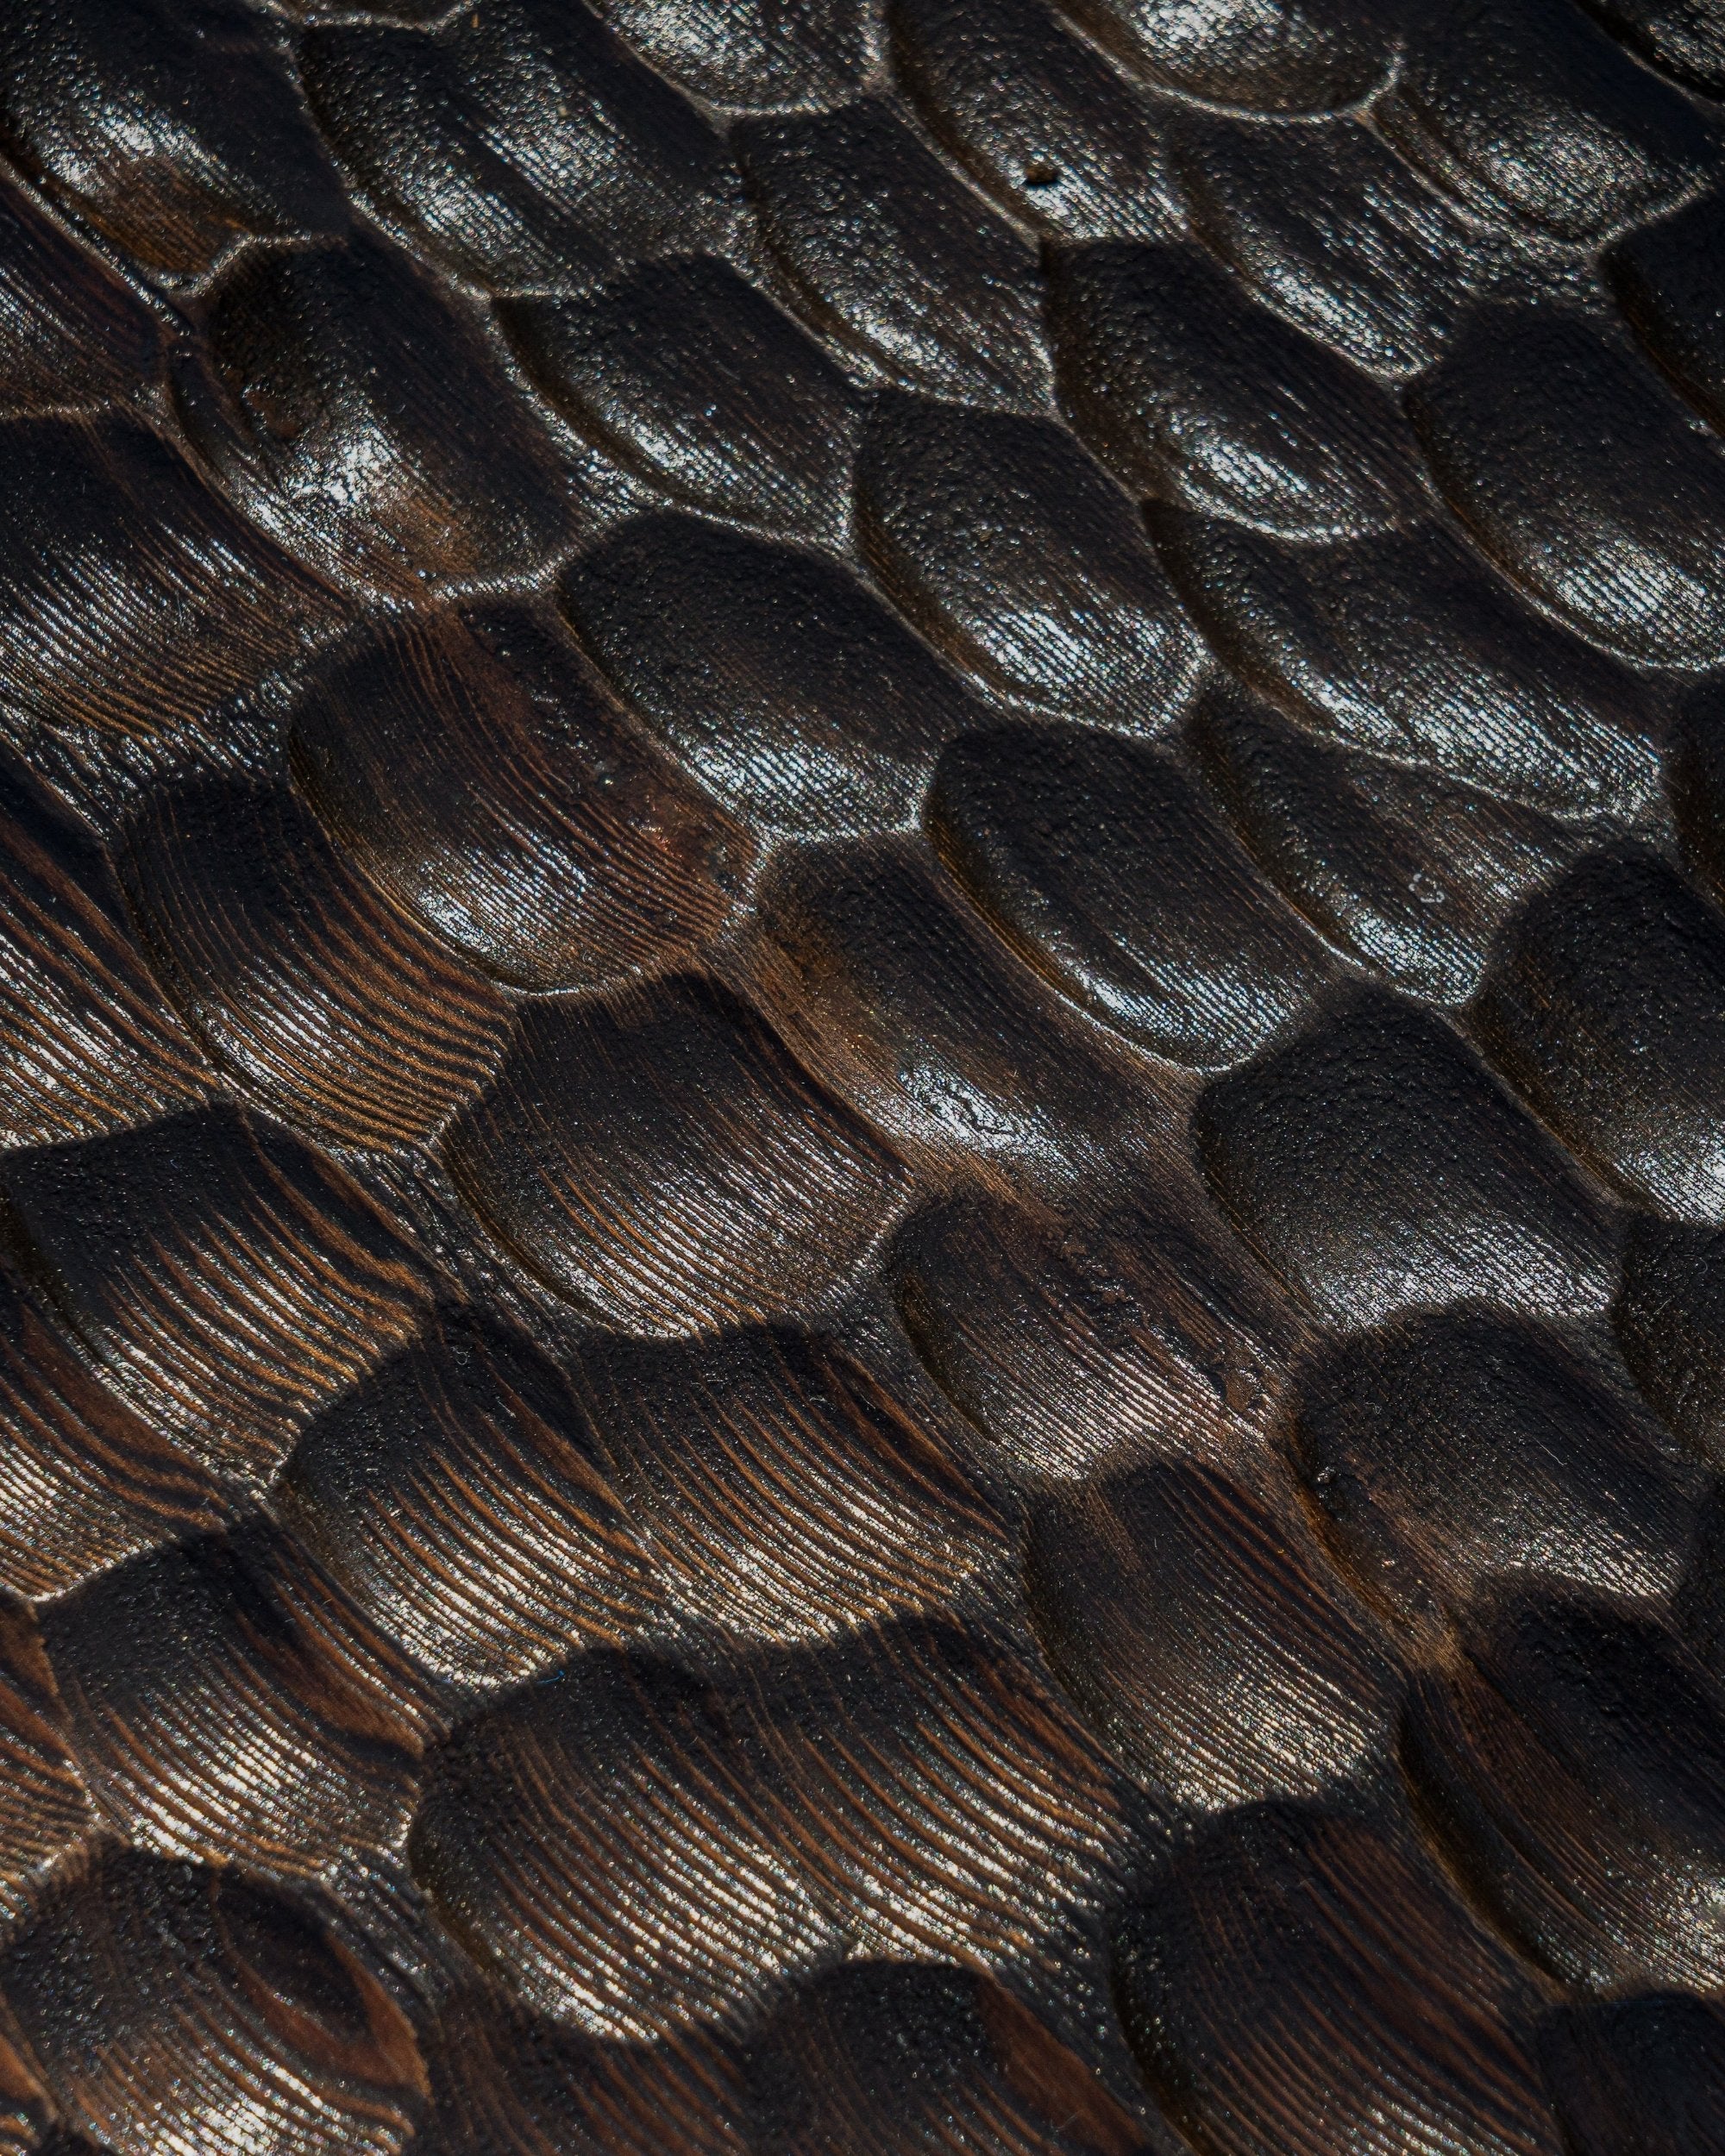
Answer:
(861, 1078)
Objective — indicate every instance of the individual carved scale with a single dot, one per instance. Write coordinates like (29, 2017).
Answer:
(863, 1078)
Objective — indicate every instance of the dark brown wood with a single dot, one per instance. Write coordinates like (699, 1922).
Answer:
(861, 1078)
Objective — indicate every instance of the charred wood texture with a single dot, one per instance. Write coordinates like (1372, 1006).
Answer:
(863, 1078)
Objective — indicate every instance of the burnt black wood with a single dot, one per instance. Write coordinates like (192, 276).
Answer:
(861, 1078)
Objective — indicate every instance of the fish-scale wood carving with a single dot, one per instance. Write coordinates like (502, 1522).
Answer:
(863, 1078)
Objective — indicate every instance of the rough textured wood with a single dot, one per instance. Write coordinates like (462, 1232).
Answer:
(863, 1078)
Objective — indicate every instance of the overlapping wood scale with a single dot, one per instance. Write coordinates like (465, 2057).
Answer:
(295, 2040)
(316, 999)
(458, 1494)
(601, 1848)
(1304, 1977)
(86, 1479)
(135, 603)
(472, 768)
(691, 1173)
(88, 1043)
(211, 1726)
(786, 1492)
(222, 1276)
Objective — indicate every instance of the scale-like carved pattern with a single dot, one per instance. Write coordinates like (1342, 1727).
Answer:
(861, 1078)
